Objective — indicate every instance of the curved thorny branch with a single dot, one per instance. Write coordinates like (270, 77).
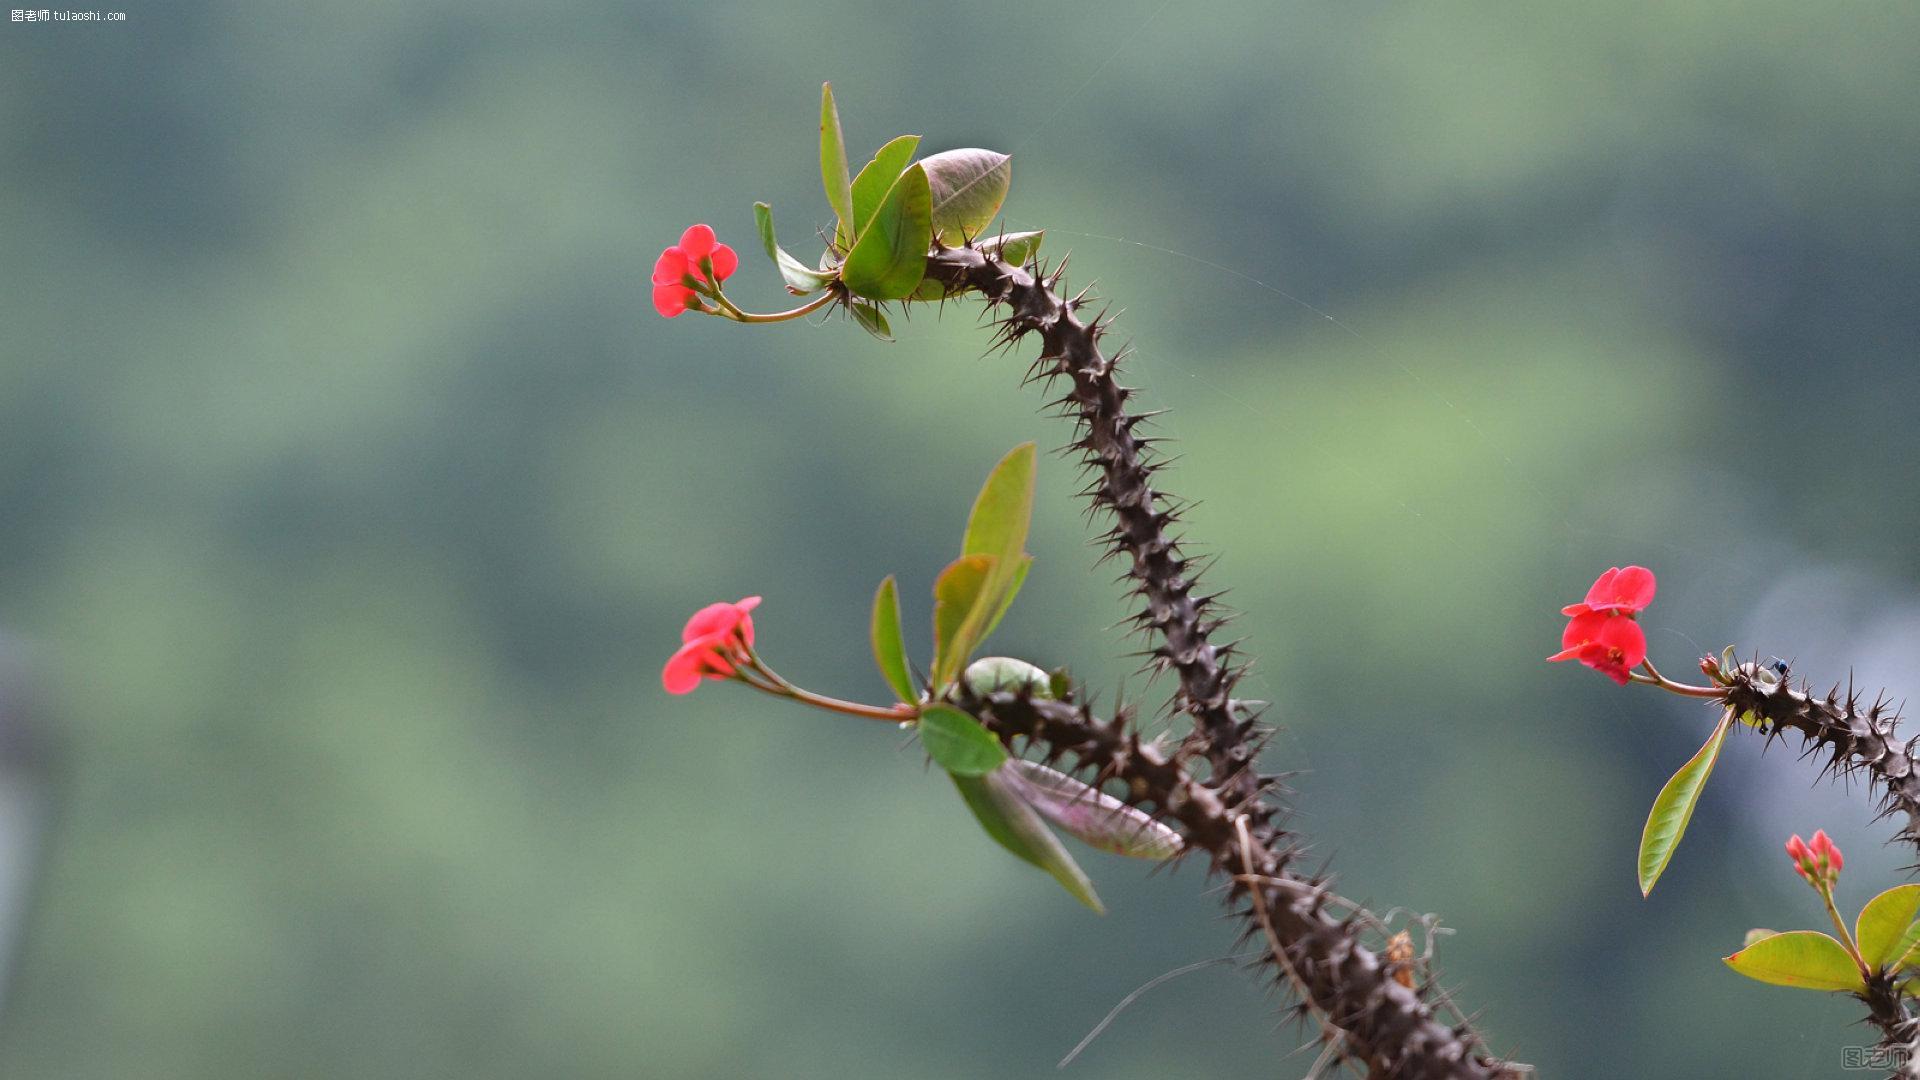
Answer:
(1854, 740)
(1340, 978)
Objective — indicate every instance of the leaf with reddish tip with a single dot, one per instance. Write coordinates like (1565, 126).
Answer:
(955, 594)
(1806, 959)
(997, 528)
(1673, 808)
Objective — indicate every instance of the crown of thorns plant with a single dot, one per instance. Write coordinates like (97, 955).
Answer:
(1029, 755)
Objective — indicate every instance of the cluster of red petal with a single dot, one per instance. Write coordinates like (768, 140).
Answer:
(672, 294)
(1818, 861)
(1602, 632)
(709, 645)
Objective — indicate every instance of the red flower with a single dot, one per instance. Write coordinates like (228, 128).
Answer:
(1819, 862)
(686, 263)
(1602, 633)
(1607, 643)
(1627, 590)
(713, 640)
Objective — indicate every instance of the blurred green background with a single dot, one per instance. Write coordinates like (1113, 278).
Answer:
(351, 496)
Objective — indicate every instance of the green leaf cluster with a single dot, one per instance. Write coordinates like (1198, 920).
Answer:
(1014, 801)
(889, 214)
(1886, 932)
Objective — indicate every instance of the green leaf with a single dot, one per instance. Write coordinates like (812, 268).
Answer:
(957, 743)
(1017, 248)
(974, 592)
(955, 593)
(871, 319)
(889, 650)
(890, 257)
(991, 673)
(1011, 590)
(877, 176)
(1092, 816)
(801, 279)
(1017, 827)
(968, 188)
(833, 165)
(1886, 931)
(1803, 958)
(1667, 821)
(998, 522)
(997, 527)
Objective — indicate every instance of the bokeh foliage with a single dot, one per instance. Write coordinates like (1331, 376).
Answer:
(352, 496)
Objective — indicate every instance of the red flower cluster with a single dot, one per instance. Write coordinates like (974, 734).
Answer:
(684, 265)
(1602, 633)
(717, 637)
(1819, 862)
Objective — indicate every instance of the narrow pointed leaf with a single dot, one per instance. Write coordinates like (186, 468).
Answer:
(1017, 827)
(1673, 808)
(1091, 816)
(955, 592)
(801, 279)
(993, 673)
(998, 523)
(889, 650)
(1886, 931)
(871, 319)
(997, 527)
(877, 176)
(1803, 958)
(890, 257)
(833, 164)
(957, 743)
(968, 187)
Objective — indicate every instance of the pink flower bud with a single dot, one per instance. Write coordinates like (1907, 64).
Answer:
(1826, 853)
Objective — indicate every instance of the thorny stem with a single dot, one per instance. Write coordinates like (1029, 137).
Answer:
(1330, 945)
(1336, 1039)
(1854, 739)
(1333, 970)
